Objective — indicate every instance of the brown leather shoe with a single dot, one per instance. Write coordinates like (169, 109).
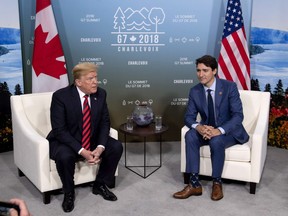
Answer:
(187, 192)
(217, 193)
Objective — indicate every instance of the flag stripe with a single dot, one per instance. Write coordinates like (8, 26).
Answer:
(240, 39)
(224, 69)
(44, 4)
(234, 55)
(227, 64)
(244, 59)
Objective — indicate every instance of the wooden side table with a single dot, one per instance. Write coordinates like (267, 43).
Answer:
(143, 132)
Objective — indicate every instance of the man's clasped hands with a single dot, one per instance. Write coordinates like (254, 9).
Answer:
(207, 131)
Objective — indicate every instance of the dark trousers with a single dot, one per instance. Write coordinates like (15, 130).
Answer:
(65, 159)
(217, 145)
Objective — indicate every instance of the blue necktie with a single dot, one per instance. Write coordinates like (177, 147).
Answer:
(211, 115)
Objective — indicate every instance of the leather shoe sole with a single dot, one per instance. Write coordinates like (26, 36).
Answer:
(217, 193)
(187, 192)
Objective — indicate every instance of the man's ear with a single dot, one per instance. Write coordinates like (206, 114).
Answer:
(77, 82)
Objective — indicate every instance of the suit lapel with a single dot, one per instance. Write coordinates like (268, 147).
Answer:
(77, 106)
(218, 96)
(201, 94)
(94, 108)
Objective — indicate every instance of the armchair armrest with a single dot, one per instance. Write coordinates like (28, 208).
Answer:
(113, 133)
(31, 150)
(183, 148)
(259, 139)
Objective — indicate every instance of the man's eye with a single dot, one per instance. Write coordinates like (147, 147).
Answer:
(91, 78)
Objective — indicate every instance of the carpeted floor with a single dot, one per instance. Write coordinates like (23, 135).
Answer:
(153, 195)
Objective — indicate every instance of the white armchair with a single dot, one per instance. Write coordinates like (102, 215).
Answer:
(31, 124)
(242, 162)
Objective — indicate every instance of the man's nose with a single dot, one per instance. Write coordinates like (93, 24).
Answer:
(200, 73)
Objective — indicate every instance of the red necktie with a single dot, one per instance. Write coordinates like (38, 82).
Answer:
(86, 124)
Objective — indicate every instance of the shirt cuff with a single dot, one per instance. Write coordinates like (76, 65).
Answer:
(195, 125)
(221, 130)
(79, 152)
(101, 146)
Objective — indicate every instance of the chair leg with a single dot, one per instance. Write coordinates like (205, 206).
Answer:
(186, 178)
(20, 173)
(46, 197)
(252, 188)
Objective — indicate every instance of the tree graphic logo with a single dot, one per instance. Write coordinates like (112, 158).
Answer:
(136, 29)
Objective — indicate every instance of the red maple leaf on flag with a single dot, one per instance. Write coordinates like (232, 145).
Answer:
(45, 55)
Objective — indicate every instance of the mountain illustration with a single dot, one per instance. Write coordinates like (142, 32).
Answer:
(268, 36)
(143, 13)
(9, 36)
(3, 50)
(137, 20)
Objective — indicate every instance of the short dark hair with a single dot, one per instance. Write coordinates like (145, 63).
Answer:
(208, 61)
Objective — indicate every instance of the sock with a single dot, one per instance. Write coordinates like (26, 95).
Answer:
(194, 180)
(217, 180)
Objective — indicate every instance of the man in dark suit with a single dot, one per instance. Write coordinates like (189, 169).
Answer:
(222, 129)
(66, 145)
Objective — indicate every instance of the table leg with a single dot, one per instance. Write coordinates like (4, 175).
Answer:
(160, 150)
(144, 165)
(145, 157)
(125, 150)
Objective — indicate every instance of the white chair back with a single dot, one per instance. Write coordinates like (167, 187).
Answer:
(37, 110)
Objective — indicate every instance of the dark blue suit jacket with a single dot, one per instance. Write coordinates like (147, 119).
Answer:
(228, 109)
(66, 119)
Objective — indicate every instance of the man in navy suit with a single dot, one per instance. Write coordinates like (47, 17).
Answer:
(65, 137)
(224, 130)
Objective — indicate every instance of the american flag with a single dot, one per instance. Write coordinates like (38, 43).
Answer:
(234, 62)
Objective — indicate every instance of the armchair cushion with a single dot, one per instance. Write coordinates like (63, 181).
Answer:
(234, 153)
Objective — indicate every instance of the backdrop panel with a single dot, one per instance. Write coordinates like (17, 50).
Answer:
(145, 48)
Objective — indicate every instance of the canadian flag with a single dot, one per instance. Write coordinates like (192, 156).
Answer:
(48, 63)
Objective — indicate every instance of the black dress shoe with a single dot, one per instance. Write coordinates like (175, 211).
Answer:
(104, 192)
(68, 202)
